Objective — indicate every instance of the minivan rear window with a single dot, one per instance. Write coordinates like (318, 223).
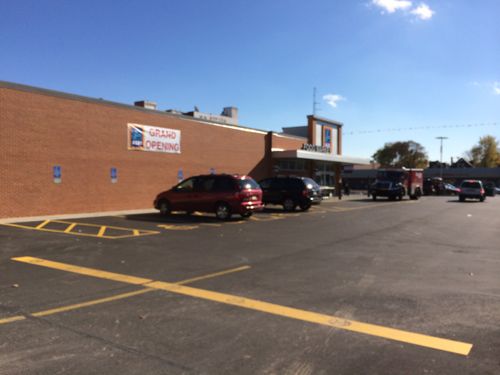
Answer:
(248, 184)
(471, 184)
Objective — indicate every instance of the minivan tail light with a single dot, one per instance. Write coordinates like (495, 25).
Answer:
(305, 193)
(242, 196)
(482, 191)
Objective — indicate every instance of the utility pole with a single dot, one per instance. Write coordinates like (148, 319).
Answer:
(441, 155)
(315, 103)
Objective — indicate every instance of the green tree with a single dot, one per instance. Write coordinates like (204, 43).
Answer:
(407, 154)
(485, 153)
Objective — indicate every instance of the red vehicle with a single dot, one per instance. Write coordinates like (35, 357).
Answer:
(397, 183)
(221, 194)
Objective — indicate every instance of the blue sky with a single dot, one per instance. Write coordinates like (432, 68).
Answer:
(376, 64)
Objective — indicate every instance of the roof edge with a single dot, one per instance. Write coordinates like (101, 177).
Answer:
(69, 96)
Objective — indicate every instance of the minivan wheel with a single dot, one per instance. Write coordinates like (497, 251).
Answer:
(222, 211)
(288, 204)
(164, 208)
(305, 206)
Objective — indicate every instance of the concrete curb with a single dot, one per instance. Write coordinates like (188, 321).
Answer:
(75, 216)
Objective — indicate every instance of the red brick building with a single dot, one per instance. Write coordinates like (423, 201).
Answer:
(68, 154)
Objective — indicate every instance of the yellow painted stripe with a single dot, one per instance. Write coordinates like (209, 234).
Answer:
(101, 231)
(50, 230)
(92, 303)
(84, 271)
(142, 233)
(70, 228)
(92, 225)
(177, 227)
(117, 297)
(12, 319)
(289, 312)
(312, 317)
(39, 226)
(209, 276)
(130, 294)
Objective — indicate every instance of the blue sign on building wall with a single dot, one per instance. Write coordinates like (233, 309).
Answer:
(57, 174)
(114, 175)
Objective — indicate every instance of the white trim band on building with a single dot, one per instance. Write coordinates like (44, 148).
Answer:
(319, 156)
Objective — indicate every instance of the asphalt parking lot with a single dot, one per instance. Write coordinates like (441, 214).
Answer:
(351, 287)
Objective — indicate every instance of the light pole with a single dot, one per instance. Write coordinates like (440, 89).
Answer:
(441, 155)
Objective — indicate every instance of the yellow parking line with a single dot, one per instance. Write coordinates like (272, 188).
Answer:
(70, 228)
(40, 226)
(91, 303)
(313, 317)
(84, 271)
(116, 297)
(101, 231)
(177, 227)
(12, 319)
(247, 303)
(188, 281)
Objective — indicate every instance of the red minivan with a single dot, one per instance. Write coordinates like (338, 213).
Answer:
(221, 194)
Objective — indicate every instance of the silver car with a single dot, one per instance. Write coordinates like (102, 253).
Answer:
(472, 189)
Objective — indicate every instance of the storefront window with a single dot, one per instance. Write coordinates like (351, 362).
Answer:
(292, 165)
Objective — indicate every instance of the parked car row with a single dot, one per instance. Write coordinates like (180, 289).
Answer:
(438, 187)
(226, 195)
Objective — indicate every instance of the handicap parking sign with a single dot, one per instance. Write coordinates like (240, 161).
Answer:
(57, 175)
(114, 175)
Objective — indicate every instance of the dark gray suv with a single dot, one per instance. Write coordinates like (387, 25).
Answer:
(290, 192)
(472, 189)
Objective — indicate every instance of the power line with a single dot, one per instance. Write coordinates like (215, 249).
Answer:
(427, 127)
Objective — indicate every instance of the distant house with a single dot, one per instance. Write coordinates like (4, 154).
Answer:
(462, 163)
(437, 164)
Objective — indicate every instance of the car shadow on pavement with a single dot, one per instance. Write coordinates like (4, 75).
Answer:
(276, 210)
(196, 217)
(178, 218)
(466, 201)
(362, 200)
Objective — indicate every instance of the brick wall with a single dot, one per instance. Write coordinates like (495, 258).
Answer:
(85, 138)
(287, 143)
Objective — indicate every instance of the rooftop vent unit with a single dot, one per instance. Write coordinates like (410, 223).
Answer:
(145, 104)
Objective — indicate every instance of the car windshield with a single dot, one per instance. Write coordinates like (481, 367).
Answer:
(248, 184)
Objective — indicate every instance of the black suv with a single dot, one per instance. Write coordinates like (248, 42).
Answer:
(290, 192)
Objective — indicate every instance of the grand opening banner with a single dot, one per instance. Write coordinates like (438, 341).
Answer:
(151, 138)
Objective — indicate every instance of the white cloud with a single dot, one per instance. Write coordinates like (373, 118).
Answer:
(496, 88)
(392, 5)
(423, 12)
(333, 99)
